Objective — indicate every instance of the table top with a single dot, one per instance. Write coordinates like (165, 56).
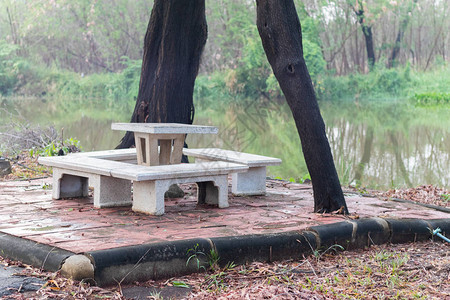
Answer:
(164, 128)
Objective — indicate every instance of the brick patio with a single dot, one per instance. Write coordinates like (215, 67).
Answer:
(28, 211)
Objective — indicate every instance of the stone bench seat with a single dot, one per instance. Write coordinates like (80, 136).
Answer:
(72, 175)
(123, 155)
(252, 182)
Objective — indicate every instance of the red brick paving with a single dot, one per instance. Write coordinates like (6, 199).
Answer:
(27, 210)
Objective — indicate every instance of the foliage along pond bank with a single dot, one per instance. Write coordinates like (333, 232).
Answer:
(376, 144)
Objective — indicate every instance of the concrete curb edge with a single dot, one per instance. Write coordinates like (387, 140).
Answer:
(169, 259)
(32, 253)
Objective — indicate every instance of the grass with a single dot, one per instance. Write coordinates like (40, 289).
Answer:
(445, 197)
(194, 255)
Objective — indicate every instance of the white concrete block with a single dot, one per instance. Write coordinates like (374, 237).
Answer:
(68, 185)
(250, 183)
(110, 191)
(148, 196)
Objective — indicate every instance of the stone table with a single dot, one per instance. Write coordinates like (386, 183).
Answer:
(169, 136)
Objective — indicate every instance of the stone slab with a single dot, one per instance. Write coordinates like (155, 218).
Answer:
(251, 160)
(116, 154)
(144, 173)
(82, 164)
(164, 128)
(140, 173)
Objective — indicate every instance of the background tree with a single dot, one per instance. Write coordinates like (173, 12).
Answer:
(366, 28)
(405, 17)
(280, 31)
(173, 44)
(95, 36)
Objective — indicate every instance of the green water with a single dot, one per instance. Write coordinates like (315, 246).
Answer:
(380, 144)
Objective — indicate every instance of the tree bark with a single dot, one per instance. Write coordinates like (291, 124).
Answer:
(396, 49)
(368, 36)
(401, 32)
(280, 31)
(173, 44)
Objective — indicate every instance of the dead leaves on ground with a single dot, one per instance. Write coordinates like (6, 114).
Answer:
(420, 270)
(405, 271)
(56, 286)
(428, 194)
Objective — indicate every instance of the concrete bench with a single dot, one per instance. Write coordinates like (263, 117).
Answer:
(72, 175)
(252, 182)
(123, 155)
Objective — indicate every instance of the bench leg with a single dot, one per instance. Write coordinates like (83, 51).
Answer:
(110, 191)
(214, 192)
(252, 182)
(68, 186)
(148, 196)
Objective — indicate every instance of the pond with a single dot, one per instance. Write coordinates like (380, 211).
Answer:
(376, 144)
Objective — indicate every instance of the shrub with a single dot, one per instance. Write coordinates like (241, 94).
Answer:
(431, 98)
(9, 67)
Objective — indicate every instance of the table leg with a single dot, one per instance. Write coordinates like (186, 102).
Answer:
(110, 191)
(177, 153)
(166, 149)
(152, 151)
(139, 140)
(146, 149)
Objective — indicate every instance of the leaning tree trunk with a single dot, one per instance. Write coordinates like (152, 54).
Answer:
(280, 31)
(368, 37)
(173, 44)
(392, 62)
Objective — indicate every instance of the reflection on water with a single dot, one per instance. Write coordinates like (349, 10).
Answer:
(378, 144)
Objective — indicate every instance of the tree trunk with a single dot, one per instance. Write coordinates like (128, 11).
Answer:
(396, 49)
(401, 32)
(173, 44)
(280, 31)
(368, 36)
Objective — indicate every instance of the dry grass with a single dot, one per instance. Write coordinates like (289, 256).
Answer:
(24, 167)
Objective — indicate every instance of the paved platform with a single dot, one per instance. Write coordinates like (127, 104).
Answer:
(28, 211)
